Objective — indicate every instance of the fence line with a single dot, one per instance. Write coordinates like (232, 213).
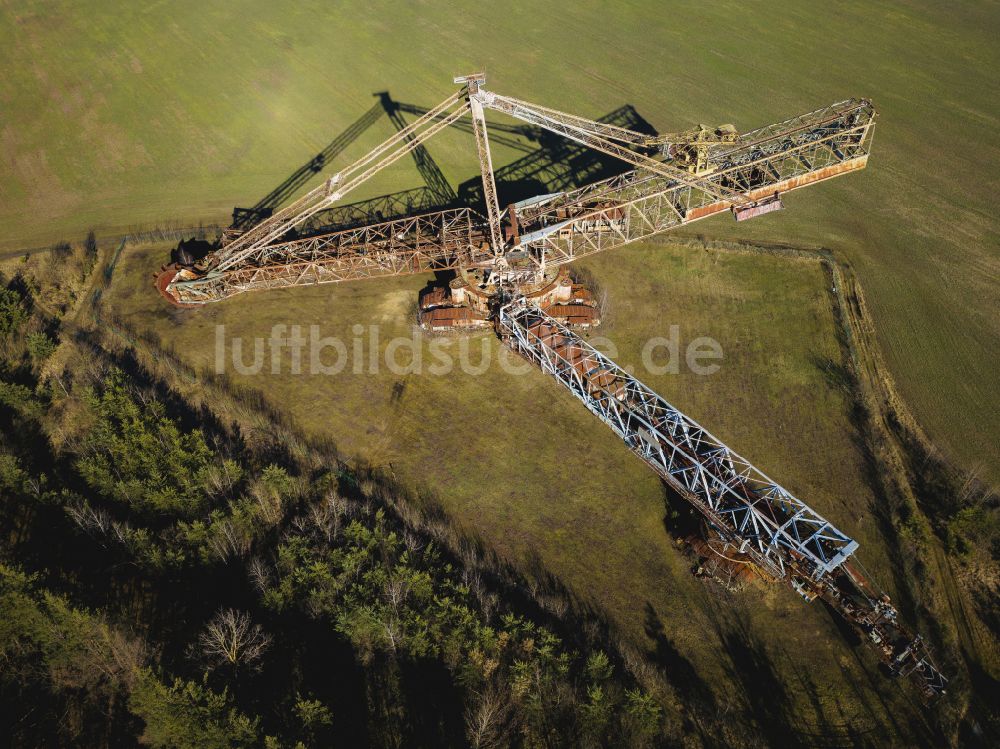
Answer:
(162, 234)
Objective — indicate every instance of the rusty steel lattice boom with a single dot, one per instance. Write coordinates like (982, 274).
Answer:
(473, 82)
(639, 204)
(754, 515)
(747, 177)
(254, 245)
(420, 244)
(600, 136)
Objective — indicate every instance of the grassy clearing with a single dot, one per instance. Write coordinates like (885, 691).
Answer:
(120, 116)
(514, 459)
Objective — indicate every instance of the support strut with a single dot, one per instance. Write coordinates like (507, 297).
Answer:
(474, 83)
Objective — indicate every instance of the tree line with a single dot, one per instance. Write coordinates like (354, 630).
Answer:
(166, 579)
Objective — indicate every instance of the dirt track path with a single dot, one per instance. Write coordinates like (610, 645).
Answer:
(950, 599)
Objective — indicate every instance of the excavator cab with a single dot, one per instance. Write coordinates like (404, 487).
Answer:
(693, 148)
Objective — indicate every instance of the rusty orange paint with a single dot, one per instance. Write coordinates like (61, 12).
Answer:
(785, 185)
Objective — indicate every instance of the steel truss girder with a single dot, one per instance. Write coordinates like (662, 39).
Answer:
(594, 135)
(500, 132)
(638, 204)
(417, 244)
(486, 168)
(243, 248)
(553, 117)
(759, 517)
(599, 216)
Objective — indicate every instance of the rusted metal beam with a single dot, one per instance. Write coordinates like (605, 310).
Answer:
(417, 244)
(758, 520)
(341, 183)
(638, 204)
(473, 83)
(593, 135)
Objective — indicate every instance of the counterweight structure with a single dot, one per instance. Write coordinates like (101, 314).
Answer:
(510, 275)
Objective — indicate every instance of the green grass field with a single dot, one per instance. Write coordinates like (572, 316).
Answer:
(116, 116)
(516, 460)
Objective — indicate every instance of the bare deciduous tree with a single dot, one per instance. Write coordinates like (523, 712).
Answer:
(121, 532)
(270, 503)
(89, 519)
(487, 720)
(412, 541)
(221, 480)
(396, 590)
(232, 638)
(260, 574)
(393, 631)
(228, 540)
(325, 516)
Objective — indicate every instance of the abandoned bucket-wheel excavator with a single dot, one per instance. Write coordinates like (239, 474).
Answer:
(510, 273)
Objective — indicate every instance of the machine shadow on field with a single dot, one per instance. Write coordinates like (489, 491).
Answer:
(762, 680)
(550, 163)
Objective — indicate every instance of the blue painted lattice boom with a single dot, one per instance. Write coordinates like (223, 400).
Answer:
(762, 519)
